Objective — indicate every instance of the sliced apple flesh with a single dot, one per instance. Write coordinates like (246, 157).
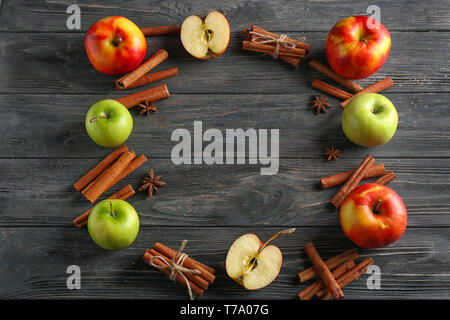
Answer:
(251, 267)
(205, 38)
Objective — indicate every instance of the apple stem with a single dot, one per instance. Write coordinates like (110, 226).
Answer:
(110, 207)
(117, 41)
(105, 116)
(283, 232)
(253, 261)
(377, 206)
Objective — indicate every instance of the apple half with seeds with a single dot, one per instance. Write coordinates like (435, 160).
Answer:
(205, 38)
(253, 264)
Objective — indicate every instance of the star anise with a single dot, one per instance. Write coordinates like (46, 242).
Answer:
(151, 183)
(320, 104)
(147, 107)
(332, 153)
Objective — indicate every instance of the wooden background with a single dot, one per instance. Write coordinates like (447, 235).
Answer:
(47, 86)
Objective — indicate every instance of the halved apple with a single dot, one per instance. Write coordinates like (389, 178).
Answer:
(253, 264)
(205, 38)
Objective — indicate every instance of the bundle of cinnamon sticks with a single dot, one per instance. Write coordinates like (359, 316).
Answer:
(350, 179)
(116, 166)
(346, 83)
(164, 257)
(279, 46)
(335, 273)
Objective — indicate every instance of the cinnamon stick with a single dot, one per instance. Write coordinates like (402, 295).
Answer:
(323, 271)
(311, 290)
(353, 181)
(125, 81)
(269, 49)
(109, 176)
(161, 30)
(153, 77)
(388, 177)
(348, 277)
(197, 279)
(134, 164)
(123, 194)
(99, 168)
(195, 288)
(339, 178)
(101, 176)
(325, 87)
(373, 88)
(331, 263)
(298, 43)
(291, 60)
(170, 252)
(206, 272)
(151, 94)
(352, 86)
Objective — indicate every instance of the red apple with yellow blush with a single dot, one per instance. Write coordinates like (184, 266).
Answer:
(373, 216)
(356, 47)
(115, 45)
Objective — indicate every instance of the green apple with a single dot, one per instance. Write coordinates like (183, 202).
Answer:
(370, 120)
(113, 224)
(109, 123)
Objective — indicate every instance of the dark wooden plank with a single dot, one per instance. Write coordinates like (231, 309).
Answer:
(49, 126)
(50, 16)
(47, 85)
(40, 193)
(57, 63)
(34, 263)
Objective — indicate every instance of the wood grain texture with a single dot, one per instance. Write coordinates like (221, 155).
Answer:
(43, 126)
(50, 15)
(57, 63)
(40, 193)
(47, 85)
(405, 271)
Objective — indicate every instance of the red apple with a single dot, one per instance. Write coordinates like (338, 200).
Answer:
(115, 45)
(357, 47)
(373, 216)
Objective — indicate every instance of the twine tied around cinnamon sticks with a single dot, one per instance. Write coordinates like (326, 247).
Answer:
(176, 266)
(276, 41)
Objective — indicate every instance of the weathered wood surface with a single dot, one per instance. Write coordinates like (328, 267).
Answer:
(57, 63)
(39, 192)
(313, 15)
(37, 269)
(60, 131)
(47, 85)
